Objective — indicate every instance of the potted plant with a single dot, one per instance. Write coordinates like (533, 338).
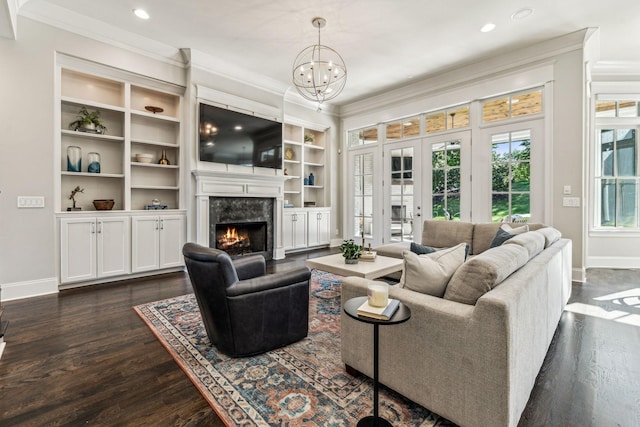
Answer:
(350, 251)
(88, 121)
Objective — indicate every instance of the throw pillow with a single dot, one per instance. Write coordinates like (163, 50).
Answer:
(505, 232)
(430, 273)
(421, 249)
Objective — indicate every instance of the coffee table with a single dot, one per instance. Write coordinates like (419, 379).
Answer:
(335, 264)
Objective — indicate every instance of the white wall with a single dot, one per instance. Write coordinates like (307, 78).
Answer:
(558, 63)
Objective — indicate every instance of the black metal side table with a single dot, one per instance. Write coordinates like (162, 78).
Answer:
(401, 315)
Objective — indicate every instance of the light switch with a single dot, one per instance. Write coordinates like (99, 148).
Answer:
(567, 189)
(31, 201)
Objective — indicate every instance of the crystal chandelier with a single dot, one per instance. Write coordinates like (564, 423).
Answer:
(319, 73)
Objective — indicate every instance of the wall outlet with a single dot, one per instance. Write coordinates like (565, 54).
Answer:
(30, 201)
(572, 202)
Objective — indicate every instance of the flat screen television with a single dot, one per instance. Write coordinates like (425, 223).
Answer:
(235, 138)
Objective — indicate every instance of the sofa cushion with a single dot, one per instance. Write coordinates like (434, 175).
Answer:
(430, 273)
(393, 250)
(483, 272)
(446, 234)
(550, 234)
(506, 232)
(532, 241)
(421, 249)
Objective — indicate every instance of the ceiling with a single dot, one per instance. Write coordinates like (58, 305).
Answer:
(385, 43)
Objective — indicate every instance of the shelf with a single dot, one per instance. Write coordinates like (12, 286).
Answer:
(154, 165)
(314, 164)
(154, 187)
(291, 192)
(100, 136)
(292, 142)
(291, 177)
(93, 104)
(158, 143)
(294, 162)
(314, 186)
(93, 175)
(313, 147)
(155, 116)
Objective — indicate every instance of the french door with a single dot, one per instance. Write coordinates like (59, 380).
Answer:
(446, 163)
(402, 210)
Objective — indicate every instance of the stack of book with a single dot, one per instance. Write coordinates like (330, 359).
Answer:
(368, 256)
(381, 313)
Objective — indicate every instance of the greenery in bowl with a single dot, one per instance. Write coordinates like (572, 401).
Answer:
(88, 120)
(350, 249)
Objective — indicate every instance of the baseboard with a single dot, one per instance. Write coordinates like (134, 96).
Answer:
(335, 242)
(578, 275)
(612, 262)
(32, 288)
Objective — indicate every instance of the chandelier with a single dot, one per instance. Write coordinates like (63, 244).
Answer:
(319, 73)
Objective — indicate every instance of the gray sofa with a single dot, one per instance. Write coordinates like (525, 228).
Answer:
(474, 363)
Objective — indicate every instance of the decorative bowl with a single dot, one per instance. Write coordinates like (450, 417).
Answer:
(144, 158)
(103, 204)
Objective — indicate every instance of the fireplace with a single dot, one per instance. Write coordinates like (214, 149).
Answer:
(242, 225)
(241, 238)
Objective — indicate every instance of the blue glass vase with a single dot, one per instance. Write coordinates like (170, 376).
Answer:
(312, 179)
(94, 163)
(74, 159)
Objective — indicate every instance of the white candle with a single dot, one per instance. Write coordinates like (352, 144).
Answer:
(378, 294)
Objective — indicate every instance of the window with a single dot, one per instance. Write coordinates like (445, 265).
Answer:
(511, 176)
(454, 118)
(617, 177)
(363, 194)
(616, 109)
(510, 106)
(445, 191)
(403, 129)
(363, 136)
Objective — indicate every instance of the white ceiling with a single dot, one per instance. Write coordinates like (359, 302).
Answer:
(385, 43)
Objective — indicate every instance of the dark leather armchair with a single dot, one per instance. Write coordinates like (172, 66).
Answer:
(246, 311)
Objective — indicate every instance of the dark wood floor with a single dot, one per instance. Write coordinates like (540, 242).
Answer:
(85, 357)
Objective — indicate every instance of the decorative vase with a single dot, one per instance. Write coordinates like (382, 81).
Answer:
(94, 163)
(74, 159)
(163, 160)
(312, 179)
(351, 261)
(306, 181)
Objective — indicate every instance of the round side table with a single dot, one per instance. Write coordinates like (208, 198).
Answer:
(402, 314)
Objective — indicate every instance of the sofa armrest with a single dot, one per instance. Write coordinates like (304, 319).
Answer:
(393, 250)
(270, 281)
(249, 267)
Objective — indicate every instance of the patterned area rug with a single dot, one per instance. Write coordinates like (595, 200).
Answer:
(303, 384)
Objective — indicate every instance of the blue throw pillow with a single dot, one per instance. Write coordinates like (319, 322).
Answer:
(421, 249)
(500, 237)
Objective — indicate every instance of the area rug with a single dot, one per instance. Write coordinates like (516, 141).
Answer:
(303, 384)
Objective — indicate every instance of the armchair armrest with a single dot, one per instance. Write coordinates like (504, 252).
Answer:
(249, 267)
(269, 281)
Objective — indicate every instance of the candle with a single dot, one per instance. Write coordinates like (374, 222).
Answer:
(378, 294)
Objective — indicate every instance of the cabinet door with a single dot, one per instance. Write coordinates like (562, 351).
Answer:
(172, 237)
(113, 246)
(319, 228)
(77, 249)
(294, 230)
(323, 227)
(145, 243)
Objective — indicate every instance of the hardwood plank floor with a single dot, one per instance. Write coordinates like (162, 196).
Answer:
(83, 356)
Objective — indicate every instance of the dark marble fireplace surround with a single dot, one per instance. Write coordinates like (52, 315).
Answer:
(225, 210)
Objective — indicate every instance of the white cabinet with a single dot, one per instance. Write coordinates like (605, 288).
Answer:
(157, 241)
(93, 248)
(295, 229)
(319, 228)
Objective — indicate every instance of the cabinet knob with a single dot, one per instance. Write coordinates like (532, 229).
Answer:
(162, 224)
(93, 228)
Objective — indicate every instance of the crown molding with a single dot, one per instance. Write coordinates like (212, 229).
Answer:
(603, 69)
(76, 23)
(8, 19)
(467, 74)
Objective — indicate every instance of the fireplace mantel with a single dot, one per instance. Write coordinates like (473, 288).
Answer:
(234, 184)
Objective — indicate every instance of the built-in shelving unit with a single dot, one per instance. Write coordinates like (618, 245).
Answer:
(134, 124)
(304, 154)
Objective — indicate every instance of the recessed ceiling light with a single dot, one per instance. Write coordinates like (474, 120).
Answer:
(141, 13)
(489, 26)
(521, 13)
(238, 127)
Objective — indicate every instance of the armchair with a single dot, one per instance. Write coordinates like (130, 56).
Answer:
(246, 311)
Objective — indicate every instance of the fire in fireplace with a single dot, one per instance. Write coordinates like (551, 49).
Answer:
(241, 238)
